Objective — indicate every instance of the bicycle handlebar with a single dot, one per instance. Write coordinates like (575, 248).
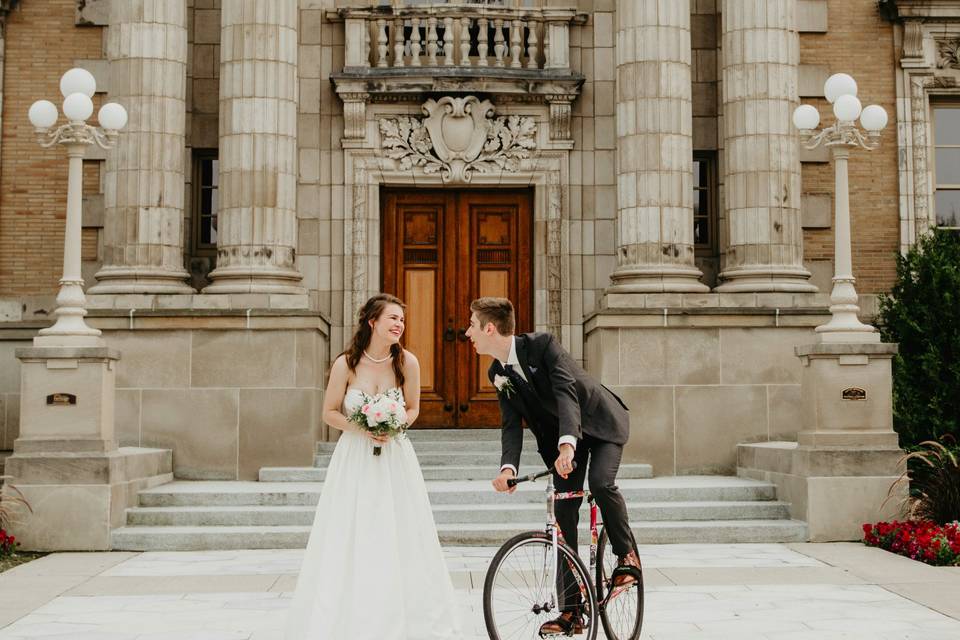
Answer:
(512, 482)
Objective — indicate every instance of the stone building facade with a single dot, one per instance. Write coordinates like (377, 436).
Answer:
(626, 170)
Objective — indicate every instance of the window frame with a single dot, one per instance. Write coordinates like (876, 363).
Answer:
(198, 248)
(713, 219)
(940, 102)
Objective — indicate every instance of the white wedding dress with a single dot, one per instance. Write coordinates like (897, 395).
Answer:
(373, 569)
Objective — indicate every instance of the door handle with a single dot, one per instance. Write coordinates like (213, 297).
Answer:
(447, 406)
(449, 334)
(464, 407)
(462, 335)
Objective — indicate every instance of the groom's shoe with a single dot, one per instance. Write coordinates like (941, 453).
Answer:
(626, 578)
(568, 624)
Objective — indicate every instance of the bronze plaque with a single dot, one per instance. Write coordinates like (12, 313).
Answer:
(62, 399)
(854, 393)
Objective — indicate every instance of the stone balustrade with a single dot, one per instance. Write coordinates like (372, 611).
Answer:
(451, 35)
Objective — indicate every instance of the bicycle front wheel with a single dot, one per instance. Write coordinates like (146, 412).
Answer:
(518, 593)
(621, 612)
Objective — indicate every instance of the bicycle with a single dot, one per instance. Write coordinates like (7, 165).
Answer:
(521, 590)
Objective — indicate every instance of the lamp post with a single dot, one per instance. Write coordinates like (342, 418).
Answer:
(841, 90)
(77, 86)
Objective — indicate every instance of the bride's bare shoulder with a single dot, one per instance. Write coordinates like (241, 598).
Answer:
(410, 360)
(340, 365)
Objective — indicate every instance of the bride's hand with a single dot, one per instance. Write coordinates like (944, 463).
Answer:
(375, 439)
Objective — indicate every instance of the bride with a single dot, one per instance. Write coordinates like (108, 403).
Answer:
(373, 569)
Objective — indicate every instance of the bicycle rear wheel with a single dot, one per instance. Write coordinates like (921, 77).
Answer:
(622, 614)
(517, 592)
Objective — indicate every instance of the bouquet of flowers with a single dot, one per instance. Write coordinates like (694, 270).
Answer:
(382, 415)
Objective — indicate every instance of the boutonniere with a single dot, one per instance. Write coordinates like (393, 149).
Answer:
(503, 385)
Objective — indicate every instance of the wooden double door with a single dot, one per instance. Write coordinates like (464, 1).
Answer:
(442, 249)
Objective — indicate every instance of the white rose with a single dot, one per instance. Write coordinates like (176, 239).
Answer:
(500, 381)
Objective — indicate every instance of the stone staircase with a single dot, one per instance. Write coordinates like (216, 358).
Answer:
(277, 511)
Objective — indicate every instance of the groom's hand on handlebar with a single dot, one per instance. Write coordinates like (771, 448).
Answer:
(564, 464)
(500, 482)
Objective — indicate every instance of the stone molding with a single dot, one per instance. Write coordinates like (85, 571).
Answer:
(929, 39)
(458, 138)
(539, 163)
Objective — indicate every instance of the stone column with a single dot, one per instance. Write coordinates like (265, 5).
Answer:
(760, 48)
(256, 246)
(144, 182)
(655, 142)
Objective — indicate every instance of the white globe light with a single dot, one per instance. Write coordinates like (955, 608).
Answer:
(78, 80)
(839, 84)
(873, 118)
(847, 108)
(78, 107)
(43, 114)
(806, 117)
(112, 116)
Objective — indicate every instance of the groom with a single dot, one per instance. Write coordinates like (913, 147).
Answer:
(574, 419)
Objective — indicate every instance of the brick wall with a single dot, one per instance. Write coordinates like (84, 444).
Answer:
(859, 42)
(42, 42)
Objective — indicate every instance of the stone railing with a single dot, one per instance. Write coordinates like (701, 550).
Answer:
(457, 35)
(396, 54)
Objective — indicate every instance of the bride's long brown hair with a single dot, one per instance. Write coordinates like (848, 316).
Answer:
(369, 313)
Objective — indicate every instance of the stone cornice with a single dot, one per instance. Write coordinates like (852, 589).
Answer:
(940, 10)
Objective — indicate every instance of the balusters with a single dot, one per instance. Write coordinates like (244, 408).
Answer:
(398, 42)
(516, 39)
(532, 46)
(431, 41)
(465, 42)
(499, 47)
(546, 45)
(415, 46)
(381, 42)
(448, 41)
(482, 42)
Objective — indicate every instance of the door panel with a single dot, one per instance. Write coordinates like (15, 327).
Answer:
(442, 249)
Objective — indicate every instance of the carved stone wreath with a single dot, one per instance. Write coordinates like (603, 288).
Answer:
(459, 137)
(949, 51)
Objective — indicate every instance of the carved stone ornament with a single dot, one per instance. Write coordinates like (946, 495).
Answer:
(949, 54)
(458, 137)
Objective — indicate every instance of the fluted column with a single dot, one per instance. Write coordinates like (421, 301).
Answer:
(144, 181)
(257, 234)
(655, 143)
(761, 172)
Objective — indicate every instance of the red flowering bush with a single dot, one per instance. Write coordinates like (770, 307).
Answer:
(8, 544)
(921, 540)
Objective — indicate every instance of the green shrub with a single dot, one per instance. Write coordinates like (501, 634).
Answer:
(922, 315)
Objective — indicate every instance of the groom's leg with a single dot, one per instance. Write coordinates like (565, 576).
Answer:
(604, 464)
(568, 517)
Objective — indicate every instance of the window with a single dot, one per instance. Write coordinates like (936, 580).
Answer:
(704, 201)
(206, 202)
(946, 140)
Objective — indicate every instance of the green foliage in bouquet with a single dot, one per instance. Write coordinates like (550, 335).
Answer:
(922, 315)
(383, 414)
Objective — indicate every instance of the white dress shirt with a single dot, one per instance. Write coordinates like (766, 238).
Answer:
(514, 361)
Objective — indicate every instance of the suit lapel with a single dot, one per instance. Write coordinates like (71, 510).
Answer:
(524, 364)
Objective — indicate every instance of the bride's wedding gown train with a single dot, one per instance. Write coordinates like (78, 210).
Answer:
(373, 569)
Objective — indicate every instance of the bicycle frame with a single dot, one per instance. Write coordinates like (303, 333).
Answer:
(556, 535)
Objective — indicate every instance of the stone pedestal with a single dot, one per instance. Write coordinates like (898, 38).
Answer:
(839, 473)
(66, 462)
(67, 399)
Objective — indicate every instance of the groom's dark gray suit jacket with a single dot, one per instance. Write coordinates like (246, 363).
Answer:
(563, 399)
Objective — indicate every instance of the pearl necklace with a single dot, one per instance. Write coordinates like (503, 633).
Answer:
(372, 359)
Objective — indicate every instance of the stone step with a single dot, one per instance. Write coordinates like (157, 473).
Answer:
(424, 444)
(451, 514)
(294, 537)
(662, 489)
(530, 460)
(452, 472)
